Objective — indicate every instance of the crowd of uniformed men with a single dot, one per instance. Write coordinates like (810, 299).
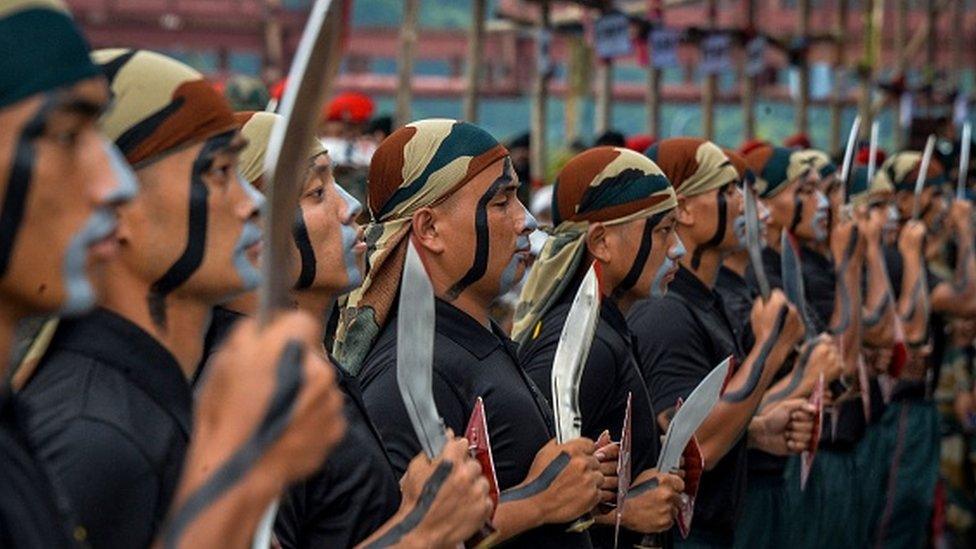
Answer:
(129, 223)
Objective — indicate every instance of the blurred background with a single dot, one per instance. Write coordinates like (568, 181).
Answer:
(553, 76)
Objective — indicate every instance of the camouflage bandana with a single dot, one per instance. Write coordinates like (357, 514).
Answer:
(605, 184)
(901, 170)
(417, 166)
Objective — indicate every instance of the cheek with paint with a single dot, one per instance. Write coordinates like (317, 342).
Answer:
(79, 291)
(511, 275)
(819, 221)
(659, 285)
(350, 240)
(739, 230)
(250, 236)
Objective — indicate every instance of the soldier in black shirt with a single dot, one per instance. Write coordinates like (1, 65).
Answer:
(52, 220)
(355, 495)
(685, 334)
(615, 207)
(450, 187)
(116, 440)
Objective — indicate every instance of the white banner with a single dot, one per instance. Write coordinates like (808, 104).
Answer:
(612, 36)
(715, 53)
(664, 47)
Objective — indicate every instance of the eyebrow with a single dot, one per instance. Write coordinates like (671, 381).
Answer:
(81, 107)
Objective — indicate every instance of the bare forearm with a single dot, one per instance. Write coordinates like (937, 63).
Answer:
(514, 517)
(802, 389)
(731, 415)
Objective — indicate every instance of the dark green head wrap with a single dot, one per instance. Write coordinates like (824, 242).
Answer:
(42, 49)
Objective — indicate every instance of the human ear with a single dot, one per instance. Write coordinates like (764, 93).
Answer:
(684, 216)
(424, 225)
(596, 242)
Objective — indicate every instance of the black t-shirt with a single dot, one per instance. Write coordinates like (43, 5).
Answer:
(110, 412)
(819, 281)
(31, 515)
(611, 373)
(353, 494)
(469, 361)
(681, 337)
(738, 298)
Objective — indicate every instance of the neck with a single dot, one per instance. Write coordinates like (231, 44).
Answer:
(187, 318)
(623, 301)
(319, 306)
(707, 271)
(737, 262)
(472, 306)
(246, 304)
(773, 236)
(8, 325)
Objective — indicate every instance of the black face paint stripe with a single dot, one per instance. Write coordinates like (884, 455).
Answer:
(872, 318)
(718, 237)
(482, 238)
(798, 368)
(111, 68)
(134, 136)
(540, 484)
(640, 260)
(845, 293)
(196, 237)
(642, 487)
(757, 367)
(288, 384)
(416, 515)
(18, 182)
(300, 232)
(797, 212)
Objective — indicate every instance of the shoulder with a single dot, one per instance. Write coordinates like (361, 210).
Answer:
(666, 315)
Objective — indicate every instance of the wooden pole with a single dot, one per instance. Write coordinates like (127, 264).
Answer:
(710, 82)
(408, 42)
(749, 82)
(932, 16)
(578, 84)
(540, 97)
(604, 93)
(958, 41)
(476, 38)
(273, 47)
(866, 73)
(803, 80)
(901, 44)
(840, 77)
(652, 99)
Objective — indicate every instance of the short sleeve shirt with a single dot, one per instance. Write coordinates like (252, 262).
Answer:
(31, 514)
(681, 338)
(109, 411)
(610, 374)
(469, 361)
(353, 493)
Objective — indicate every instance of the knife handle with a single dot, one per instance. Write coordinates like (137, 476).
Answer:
(581, 524)
(483, 538)
(650, 541)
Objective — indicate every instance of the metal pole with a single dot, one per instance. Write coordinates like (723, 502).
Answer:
(540, 96)
(710, 82)
(803, 80)
(408, 41)
(840, 76)
(475, 52)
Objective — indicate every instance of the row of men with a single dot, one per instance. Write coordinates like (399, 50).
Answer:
(137, 207)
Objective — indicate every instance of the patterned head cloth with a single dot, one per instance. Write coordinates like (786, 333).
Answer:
(694, 166)
(256, 127)
(741, 166)
(43, 49)
(862, 191)
(901, 170)
(775, 167)
(159, 105)
(606, 184)
(417, 166)
(246, 93)
(821, 162)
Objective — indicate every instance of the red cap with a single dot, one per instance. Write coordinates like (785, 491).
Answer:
(349, 107)
(750, 145)
(863, 155)
(798, 141)
(640, 142)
